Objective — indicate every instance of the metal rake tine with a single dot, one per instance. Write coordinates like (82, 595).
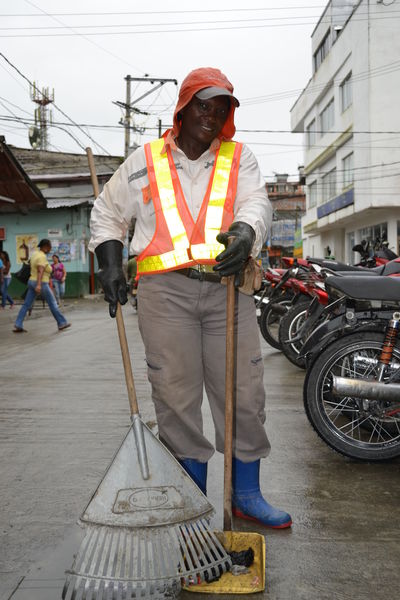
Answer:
(209, 540)
(111, 553)
(180, 543)
(168, 554)
(116, 564)
(187, 546)
(87, 550)
(85, 558)
(202, 558)
(126, 571)
(158, 560)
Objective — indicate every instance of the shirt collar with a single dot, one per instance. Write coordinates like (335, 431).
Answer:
(170, 141)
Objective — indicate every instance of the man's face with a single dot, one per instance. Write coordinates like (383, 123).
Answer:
(202, 120)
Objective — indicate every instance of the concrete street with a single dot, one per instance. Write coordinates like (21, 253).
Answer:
(64, 412)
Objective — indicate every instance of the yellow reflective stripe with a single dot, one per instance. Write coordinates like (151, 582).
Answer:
(167, 195)
(163, 262)
(206, 251)
(219, 191)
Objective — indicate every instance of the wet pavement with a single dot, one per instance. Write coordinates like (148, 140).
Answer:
(64, 412)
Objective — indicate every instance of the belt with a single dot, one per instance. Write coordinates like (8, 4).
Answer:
(201, 273)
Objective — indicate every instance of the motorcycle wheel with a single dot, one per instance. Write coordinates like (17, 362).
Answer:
(269, 321)
(350, 425)
(289, 327)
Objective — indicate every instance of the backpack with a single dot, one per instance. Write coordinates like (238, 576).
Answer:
(24, 273)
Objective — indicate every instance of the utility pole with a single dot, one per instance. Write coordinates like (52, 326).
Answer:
(129, 107)
(127, 116)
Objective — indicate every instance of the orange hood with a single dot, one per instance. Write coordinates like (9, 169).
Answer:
(196, 81)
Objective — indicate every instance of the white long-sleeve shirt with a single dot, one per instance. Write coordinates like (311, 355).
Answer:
(127, 195)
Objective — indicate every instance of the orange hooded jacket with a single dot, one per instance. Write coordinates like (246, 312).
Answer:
(193, 83)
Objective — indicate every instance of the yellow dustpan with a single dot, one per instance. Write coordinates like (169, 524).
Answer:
(237, 541)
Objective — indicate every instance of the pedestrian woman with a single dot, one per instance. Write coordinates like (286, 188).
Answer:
(6, 280)
(58, 277)
(39, 284)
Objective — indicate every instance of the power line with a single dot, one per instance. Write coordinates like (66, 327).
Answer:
(213, 22)
(187, 30)
(170, 12)
(55, 106)
(376, 71)
(163, 12)
(378, 165)
(83, 36)
(372, 132)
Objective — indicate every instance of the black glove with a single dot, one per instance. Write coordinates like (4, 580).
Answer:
(233, 259)
(111, 276)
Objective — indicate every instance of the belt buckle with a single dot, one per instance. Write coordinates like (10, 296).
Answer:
(200, 271)
(201, 268)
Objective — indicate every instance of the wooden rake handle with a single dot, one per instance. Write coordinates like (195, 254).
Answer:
(130, 384)
(229, 384)
(123, 342)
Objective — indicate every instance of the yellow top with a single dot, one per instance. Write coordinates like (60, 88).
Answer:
(39, 259)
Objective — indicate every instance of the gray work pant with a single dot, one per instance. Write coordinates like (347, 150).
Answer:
(183, 323)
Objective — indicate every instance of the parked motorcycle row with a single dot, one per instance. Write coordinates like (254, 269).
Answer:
(341, 324)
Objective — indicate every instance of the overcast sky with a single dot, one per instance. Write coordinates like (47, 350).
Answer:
(264, 47)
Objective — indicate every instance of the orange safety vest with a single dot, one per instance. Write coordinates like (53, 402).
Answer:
(179, 241)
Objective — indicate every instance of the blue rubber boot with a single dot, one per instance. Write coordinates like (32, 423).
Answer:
(197, 471)
(247, 500)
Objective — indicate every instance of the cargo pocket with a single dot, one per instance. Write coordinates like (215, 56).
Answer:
(154, 368)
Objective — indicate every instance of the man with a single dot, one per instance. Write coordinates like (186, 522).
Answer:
(39, 284)
(189, 191)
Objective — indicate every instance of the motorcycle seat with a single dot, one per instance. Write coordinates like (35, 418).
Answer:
(390, 268)
(335, 265)
(366, 288)
(364, 273)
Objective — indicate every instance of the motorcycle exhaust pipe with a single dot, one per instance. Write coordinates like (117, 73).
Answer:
(368, 389)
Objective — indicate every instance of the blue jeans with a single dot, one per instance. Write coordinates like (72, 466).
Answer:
(47, 295)
(4, 294)
(59, 289)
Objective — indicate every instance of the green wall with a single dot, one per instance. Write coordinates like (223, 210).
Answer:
(68, 226)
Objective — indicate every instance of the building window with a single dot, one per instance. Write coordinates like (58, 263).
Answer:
(322, 51)
(327, 117)
(373, 233)
(312, 194)
(346, 93)
(348, 170)
(311, 134)
(329, 185)
(351, 237)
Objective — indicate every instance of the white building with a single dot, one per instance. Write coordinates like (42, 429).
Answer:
(350, 115)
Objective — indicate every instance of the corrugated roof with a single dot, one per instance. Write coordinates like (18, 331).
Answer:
(68, 202)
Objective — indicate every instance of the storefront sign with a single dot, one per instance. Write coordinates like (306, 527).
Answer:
(54, 232)
(336, 204)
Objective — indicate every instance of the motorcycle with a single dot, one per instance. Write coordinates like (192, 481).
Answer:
(278, 296)
(292, 324)
(301, 315)
(352, 386)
